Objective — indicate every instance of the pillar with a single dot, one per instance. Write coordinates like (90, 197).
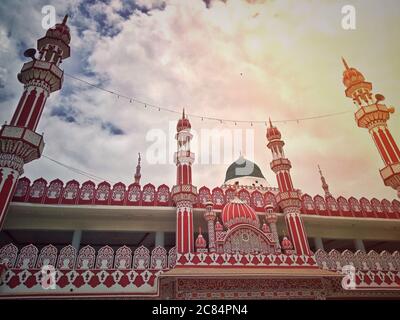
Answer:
(318, 243)
(359, 245)
(76, 239)
(159, 239)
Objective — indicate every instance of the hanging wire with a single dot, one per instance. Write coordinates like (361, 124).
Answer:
(202, 117)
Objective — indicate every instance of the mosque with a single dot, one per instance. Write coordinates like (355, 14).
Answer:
(244, 239)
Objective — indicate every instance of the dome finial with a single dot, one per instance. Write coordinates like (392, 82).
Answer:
(345, 64)
(270, 122)
(183, 113)
(65, 20)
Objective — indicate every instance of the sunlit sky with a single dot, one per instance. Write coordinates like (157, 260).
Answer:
(247, 60)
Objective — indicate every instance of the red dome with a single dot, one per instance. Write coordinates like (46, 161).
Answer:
(286, 244)
(237, 212)
(352, 76)
(201, 242)
(219, 226)
(60, 31)
(273, 132)
(183, 123)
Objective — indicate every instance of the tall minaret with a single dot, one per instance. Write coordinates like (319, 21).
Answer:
(137, 174)
(19, 143)
(184, 193)
(373, 115)
(324, 184)
(288, 198)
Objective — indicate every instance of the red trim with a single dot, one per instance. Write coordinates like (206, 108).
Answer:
(381, 149)
(26, 109)
(396, 148)
(388, 147)
(16, 113)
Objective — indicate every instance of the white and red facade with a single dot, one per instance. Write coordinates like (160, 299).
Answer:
(239, 254)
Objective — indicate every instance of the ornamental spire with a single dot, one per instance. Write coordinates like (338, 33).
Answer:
(324, 184)
(345, 64)
(138, 167)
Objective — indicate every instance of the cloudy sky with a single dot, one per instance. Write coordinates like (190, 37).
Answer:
(234, 59)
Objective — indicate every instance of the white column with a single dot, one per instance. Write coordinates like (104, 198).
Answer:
(318, 243)
(159, 239)
(359, 245)
(76, 239)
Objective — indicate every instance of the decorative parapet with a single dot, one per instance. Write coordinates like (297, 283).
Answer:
(88, 193)
(244, 260)
(368, 271)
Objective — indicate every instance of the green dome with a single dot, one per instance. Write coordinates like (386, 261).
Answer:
(243, 168)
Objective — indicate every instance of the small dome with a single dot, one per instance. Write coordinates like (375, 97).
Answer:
(219, 226)
(183, 123)
(60, 31)
(352, 76)
(286, 244)
(200, 242)
(244, 168)
(265, 228)
(273, 133)
(237, 212)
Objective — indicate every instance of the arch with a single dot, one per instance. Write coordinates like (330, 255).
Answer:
(37, 191)
(118, 194)
(8, 255)
(86, 194)
(159, 259)
(70, 192)
(270, 197)
(66, 258)
(54, 191)
(355, 207)
(245, 238)
(85, 258)
(47, 256)
(377, 206)
(307, 204)
(27, 257)
(244, 195)
(123, 258)
(368, 210)
(141, 258)
(218, 198)
(22, 190)
(388, 209)
(103, 192)
(229, 194)
(332, 205)
(163, 195)
(105, 258)
(148, 195)
(396, 207)
(344, 207)
(134, 195)
(257, 201)
(204, 196)
(320, 206)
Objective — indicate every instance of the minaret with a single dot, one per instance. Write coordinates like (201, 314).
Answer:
(19, 143)
(324, 184)
(184, 193)
(210, 216)
(288, 198)
(137, 174)
(373, 115)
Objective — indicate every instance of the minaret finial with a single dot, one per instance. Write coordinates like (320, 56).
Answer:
(270, 122)
(345, 64)
(138, 174)
(325, 186)
(65, 20)
(183, 113)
